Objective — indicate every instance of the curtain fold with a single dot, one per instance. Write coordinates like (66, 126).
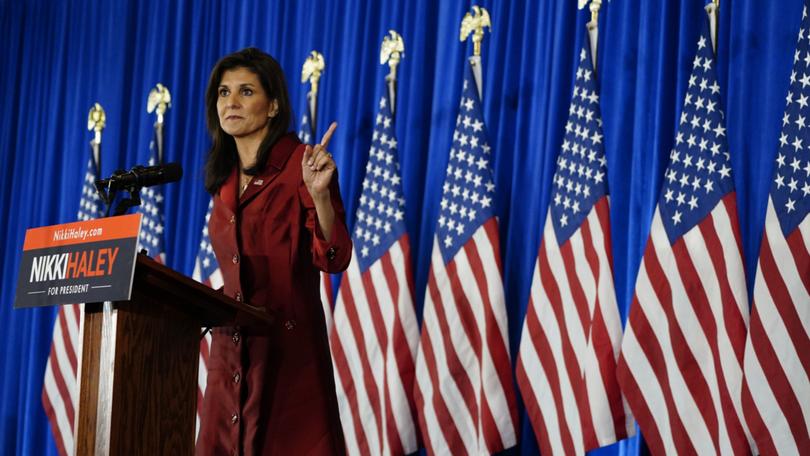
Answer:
(59, 57)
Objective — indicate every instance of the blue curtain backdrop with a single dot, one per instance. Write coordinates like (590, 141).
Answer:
(59, 57)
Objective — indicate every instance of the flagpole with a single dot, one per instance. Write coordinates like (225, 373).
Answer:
(474, 23)
(96, 121)
(593, 30)
(159, 101)
(311, 71)
(713, 10)
(391, 52)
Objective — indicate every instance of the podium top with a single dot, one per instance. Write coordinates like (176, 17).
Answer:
(194, 299)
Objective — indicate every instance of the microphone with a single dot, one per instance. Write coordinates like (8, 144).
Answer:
(142, 176)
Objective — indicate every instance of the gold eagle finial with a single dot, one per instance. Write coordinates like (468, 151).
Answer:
(96, 121)
(96, 118)
(312, 69)
(392, 49)
(474, 23)
(595, 6)
(158, 101)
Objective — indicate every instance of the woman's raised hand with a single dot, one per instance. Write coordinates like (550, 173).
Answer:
(318, 167)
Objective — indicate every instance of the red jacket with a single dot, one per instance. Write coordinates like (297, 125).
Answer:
(272, 390)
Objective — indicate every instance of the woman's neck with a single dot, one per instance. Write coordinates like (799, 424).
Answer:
(248, 150)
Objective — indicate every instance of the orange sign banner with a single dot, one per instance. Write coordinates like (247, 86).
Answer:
(105, 229)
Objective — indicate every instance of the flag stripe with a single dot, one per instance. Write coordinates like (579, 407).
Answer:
(349, 401)
(456, 385)
(442, 398)
(548, 351)
(363, 315)
(764, 375)
(658, 432)
(712, 378)
(770, 377)
(378, 289)
(486, 264)
(529, 384)
(401, 360)
(438, 432)
(606, 418)
(729, 344)
(703, 386)
(559, 330)
(726, 256)
(726, 368)
(570, 269)
(352, 337)
(477, 298)
(579, 277)
(369, 329)
(649, 324)
(687, 369)
(773, 273)
(61, 426)
(779, 325)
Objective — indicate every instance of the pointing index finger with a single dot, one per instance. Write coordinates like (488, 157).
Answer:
(328, 135)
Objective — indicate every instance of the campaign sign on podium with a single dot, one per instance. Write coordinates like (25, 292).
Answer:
(92, 261)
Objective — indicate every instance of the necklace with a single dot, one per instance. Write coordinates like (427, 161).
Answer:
(244, 180)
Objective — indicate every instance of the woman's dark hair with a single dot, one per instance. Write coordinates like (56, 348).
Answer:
(223, 157)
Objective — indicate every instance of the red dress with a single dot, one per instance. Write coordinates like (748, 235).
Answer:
(272, 390)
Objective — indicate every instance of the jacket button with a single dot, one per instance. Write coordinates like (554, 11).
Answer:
(234, 418)
(235, 338)
(232, 220)
(236, 377)
(235, 258)
(238, 296)
(331, 253)
(289, 324)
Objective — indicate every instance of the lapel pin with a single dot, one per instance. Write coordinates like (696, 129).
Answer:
(258, 182)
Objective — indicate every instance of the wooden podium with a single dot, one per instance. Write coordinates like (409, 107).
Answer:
(138, 374)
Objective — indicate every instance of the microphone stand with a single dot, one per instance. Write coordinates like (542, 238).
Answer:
(108, 193)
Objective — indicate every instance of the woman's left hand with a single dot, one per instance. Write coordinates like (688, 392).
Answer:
(318, 167)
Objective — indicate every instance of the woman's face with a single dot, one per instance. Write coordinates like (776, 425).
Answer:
(242, 104)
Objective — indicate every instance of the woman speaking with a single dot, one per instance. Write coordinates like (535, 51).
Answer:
(277, 220)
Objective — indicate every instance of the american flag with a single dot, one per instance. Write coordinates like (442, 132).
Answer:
(572, 332)
(375, 332)
(465, 397)
(206, 270)
(681, 361)
(151, 237)
(776, 394)
(60, 390)
(306, 133)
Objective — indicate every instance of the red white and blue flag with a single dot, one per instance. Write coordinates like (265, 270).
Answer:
(566, 368)
(776, 395)
(682, 351)
(375, 330)
(60, 390)
(465, 396)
